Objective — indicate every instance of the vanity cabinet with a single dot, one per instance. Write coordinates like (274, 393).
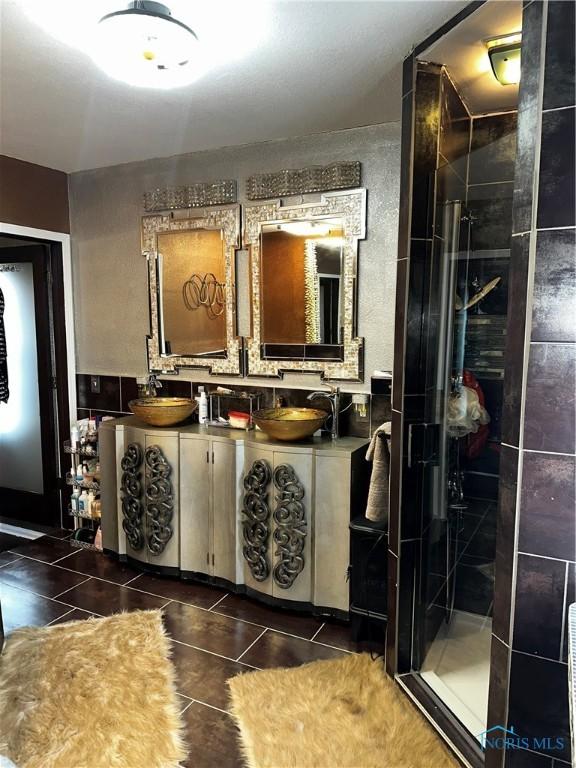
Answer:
(234, 508)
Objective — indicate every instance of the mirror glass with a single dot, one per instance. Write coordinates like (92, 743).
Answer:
(302, 282)
(192, 292)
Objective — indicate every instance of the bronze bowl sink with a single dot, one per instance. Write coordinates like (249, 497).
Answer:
(163, 411)
(289, 423)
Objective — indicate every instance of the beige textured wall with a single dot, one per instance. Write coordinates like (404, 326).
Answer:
(110, 283)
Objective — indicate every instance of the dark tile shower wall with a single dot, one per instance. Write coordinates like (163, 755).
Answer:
(535, 577)
(115, 392)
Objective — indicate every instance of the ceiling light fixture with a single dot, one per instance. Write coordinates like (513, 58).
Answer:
(504, 53)
(144, 45)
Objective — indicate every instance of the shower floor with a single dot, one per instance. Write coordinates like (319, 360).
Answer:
(457, 668)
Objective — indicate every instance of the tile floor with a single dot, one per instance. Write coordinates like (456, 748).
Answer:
(216, 635)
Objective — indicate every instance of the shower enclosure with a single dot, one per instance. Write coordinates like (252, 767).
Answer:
(456, 325)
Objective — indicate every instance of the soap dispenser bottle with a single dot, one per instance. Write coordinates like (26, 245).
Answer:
(202, 406)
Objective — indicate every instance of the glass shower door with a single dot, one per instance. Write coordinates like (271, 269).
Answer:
(452, 637)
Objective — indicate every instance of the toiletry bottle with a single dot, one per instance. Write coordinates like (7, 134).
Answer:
(202, 406)
(91, 500)
(79, 472)
(74, 437)
(83, 502)
(74, 500)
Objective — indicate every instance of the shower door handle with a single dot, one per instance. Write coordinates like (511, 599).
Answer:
(423, 444)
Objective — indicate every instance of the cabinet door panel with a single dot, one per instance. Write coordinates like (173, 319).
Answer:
(331, 532)
(169, 556)
(108, 489)
(224, 509)
(194, 505)
(301, 588)
(252, 455)
(126, 436)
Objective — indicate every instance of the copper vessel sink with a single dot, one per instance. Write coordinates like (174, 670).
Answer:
(163, 411)
(289, 423)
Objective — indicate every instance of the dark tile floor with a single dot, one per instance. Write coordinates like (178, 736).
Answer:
(216, 635)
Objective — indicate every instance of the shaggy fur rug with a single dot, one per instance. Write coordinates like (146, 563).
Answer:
(98, 693)
(331, 714)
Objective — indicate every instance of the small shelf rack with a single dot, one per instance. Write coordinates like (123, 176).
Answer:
(85, 524)
(252, 399)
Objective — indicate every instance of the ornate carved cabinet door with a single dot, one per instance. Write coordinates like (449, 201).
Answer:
(256, 518)
(224, 509)
(129, 461)
(292, 503)
(195, 504)
(162, 499)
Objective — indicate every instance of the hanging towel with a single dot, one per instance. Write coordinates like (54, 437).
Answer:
(4, 392)
(379, 454)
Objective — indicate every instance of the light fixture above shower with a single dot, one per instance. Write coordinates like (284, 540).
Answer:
(504, 53)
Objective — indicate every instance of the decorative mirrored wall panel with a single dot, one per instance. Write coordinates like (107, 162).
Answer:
(302, 287)
(303, 264)
(192, 291)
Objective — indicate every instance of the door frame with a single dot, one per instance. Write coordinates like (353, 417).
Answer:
(62, 242)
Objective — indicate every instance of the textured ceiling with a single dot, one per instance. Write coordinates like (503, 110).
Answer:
(464, 54)
(292, 69)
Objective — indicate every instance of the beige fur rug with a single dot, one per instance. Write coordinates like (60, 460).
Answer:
(331, 714)
(98, 693)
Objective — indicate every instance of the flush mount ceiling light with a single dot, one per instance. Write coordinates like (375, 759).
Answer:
(504, 54)
(144, 45)
(226, 30)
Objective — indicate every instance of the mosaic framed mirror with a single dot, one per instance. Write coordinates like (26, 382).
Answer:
(191, 282)
(303, 269)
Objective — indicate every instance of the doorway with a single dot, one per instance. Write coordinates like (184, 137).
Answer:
(34, 397)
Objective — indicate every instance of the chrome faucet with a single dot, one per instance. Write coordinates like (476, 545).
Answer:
(153, 384)
(333, 397)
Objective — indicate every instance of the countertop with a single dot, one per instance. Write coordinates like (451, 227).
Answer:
(249, 437)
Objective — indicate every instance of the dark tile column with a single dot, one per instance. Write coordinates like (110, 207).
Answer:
(420, 130)
(535, 560)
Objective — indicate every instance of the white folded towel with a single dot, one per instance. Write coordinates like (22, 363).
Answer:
(379, 454)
